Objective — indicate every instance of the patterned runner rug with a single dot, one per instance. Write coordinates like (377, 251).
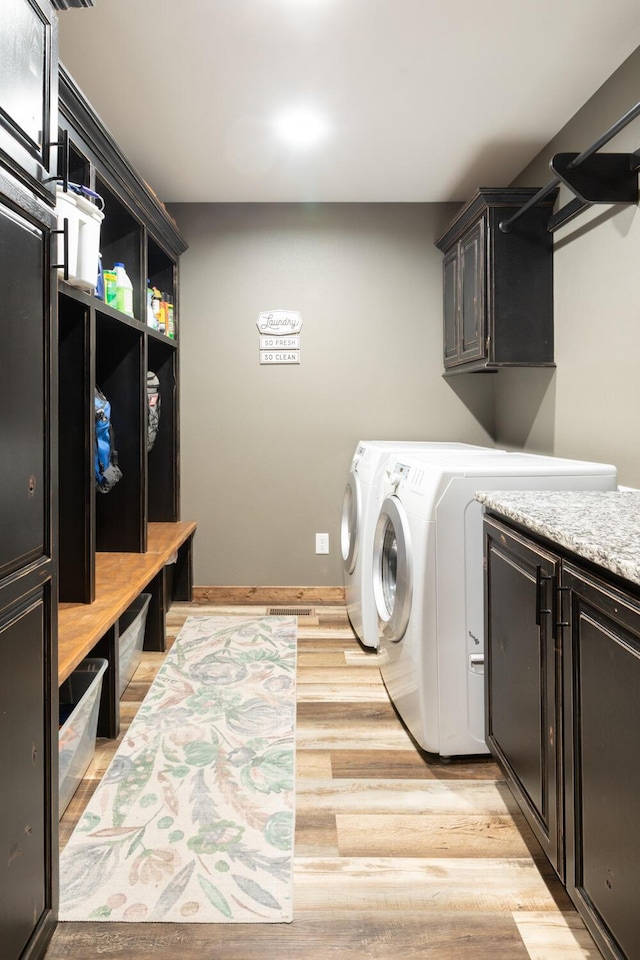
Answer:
(194, 818)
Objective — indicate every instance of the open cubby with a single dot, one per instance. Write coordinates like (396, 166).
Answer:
(161, 273)
(119, 358)
(162, 459)
(121, 242)
(76, 527)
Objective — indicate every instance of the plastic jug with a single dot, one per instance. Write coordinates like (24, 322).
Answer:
(124, 290)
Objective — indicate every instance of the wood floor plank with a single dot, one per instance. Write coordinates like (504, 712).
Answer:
(327, 692)
(423, 835)
(339, 673)
(312, 764)
(320, 658)
(312, 936)
(392, 883)
(409, 797)
(407, 763)
(555, 936)
(316, 835)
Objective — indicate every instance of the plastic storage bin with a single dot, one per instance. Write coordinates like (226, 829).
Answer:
(85, 220)
(90, 219)
(132, 624)
(79, 706)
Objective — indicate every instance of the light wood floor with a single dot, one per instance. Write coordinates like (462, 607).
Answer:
(395, 858)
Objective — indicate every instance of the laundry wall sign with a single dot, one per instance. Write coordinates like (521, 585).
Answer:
(279, 342)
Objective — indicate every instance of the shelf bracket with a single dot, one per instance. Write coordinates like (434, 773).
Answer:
(600, 178)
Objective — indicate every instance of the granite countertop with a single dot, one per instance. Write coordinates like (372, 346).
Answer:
(601, 526)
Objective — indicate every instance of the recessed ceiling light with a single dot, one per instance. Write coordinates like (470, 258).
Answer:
(301, 127)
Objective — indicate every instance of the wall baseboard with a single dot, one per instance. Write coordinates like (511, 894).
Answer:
(269, 595)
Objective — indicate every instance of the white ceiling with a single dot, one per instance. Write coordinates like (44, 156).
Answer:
(424, 99)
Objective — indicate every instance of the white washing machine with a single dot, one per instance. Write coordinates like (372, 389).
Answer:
(360, 508)
(428, 585)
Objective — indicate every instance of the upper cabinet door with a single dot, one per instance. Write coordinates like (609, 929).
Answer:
(29, 92)
(451, 307)
(24, 380)
(472, 292)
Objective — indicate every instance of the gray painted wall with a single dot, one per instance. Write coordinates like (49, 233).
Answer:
(266, 449)
(589, 407)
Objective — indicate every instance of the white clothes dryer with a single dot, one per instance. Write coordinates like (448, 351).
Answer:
(359, 515)
(428, 585)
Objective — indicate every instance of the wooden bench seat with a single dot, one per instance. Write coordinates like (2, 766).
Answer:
(90, 628)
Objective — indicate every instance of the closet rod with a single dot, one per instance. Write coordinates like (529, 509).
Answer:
(505, 225)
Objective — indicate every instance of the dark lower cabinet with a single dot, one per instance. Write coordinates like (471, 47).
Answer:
(522, 679)
(602, 761)
(28, 864)
(563, 715)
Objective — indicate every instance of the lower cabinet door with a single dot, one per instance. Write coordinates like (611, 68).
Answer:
(521, 678)
(601, 651)
(26, 870)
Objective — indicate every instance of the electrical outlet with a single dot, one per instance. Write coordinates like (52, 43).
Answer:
(322, 543)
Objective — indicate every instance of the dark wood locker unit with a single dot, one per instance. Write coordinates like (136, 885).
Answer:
(523, 678)
(601, 650)
(117, 351)
(28, 674)
(29, 93)
(498, 287)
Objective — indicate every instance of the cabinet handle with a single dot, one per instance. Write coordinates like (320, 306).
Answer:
(562, 623)
(64, 143)
(540, 580)
(65, 247)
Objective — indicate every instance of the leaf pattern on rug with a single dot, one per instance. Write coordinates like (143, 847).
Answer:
(194, 818)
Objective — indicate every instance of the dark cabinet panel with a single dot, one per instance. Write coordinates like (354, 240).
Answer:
(26, 759)
(29, 91)
(522, 678)
(602, 769)
(472, 293)
(24, 318)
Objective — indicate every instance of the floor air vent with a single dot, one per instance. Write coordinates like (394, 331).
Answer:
(290, 612)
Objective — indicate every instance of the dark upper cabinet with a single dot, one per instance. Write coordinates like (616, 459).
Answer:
(498, 287)
(29, 93)
(24, 374)
(522, 678)
(601, 652)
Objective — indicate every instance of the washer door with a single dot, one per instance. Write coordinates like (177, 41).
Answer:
(392, 570)
(351, 520)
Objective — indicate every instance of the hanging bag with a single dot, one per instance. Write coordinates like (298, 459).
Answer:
(153, 408)
(107, 471)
